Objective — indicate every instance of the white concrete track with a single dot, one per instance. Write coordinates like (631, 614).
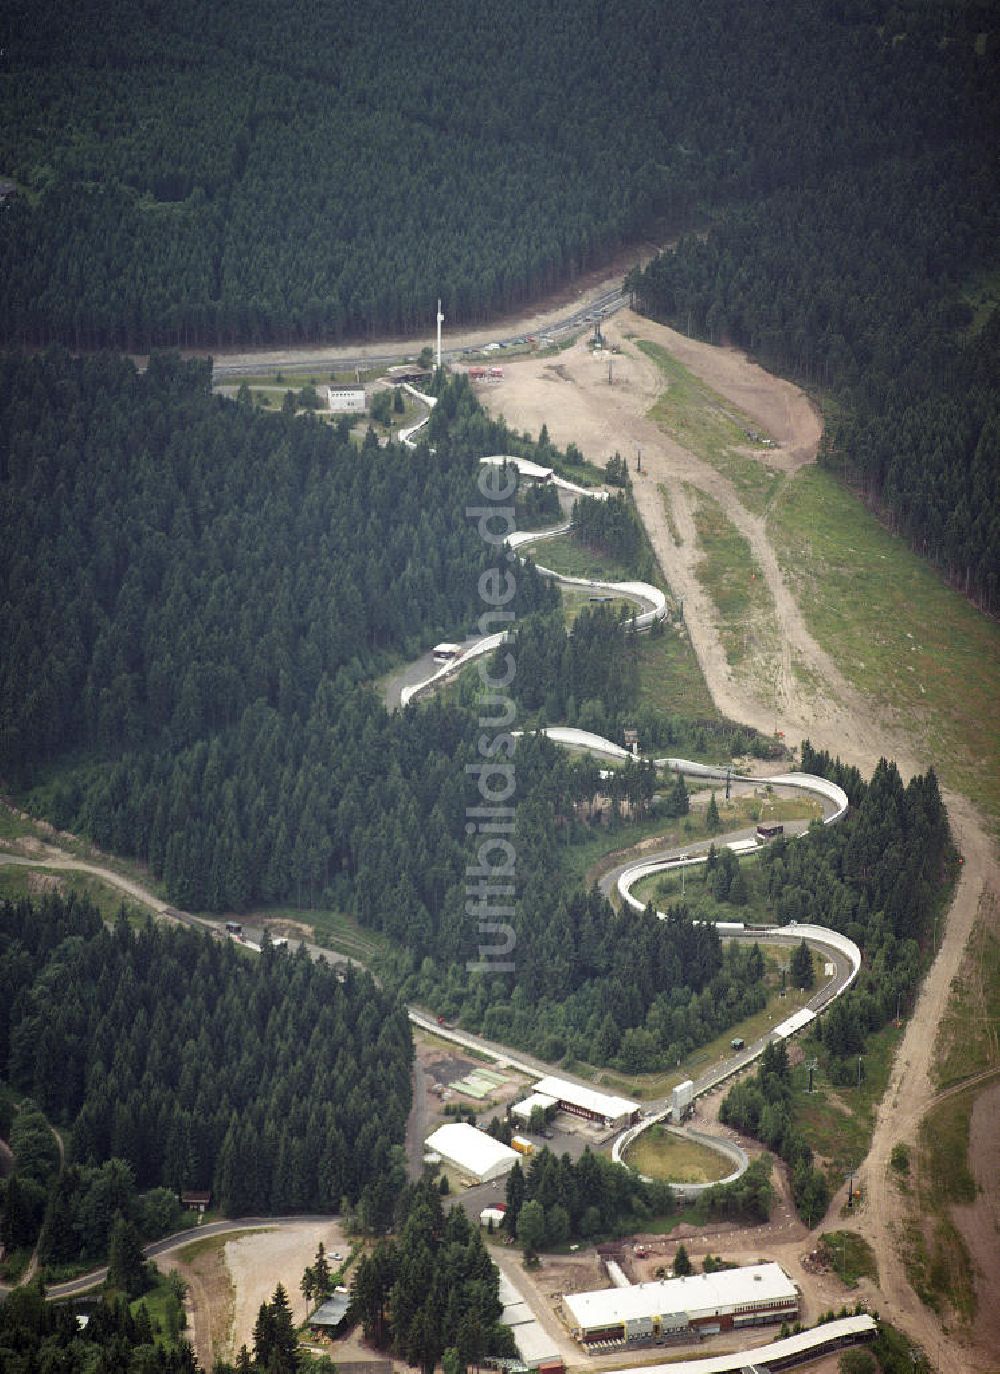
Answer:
(643, 593)
(538, 473)
(843, 954)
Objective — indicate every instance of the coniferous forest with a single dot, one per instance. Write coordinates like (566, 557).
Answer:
(198, 599)
(231, 740)
(859, 272)
(183, 1064)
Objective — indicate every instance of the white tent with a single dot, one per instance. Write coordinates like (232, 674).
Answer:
(474, 1152)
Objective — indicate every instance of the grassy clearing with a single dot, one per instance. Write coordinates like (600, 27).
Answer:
(576, 599)
(16, 882)
(713, 429)
(659, 1153)
(161, 1304)
(850, 1256)
(944, 1151)
(338, 931)
(969, 1034)
(668, 511)
(670, 678)
(604, 848)
(566, 555)
(12, 825)
(838, 1121)
(936, 1258)
(733, 579)
(906, 640)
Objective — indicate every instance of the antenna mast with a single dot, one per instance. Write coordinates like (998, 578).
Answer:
(440, 322)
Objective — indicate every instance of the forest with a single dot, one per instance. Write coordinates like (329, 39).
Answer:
(761, 1107)
(867, 277)
(432, 1292)
(217, 173)
(554, 1200)
(173, 1061)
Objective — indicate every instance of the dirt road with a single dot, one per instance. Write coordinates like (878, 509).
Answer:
(789, 682)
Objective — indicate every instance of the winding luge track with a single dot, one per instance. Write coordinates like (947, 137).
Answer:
(842, 954)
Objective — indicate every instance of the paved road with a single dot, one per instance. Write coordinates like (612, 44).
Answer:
(74, 1287)
(603, 305)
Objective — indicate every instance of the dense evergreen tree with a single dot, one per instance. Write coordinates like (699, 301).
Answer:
(801, 966)
(432, 1290)
(858, 271)
(761, 1106)
(185, 1063)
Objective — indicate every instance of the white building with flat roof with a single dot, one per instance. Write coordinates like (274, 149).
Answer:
(703, 1304)
(474, 1152)
(571, 1097)
(522, 1110)
(346, 397)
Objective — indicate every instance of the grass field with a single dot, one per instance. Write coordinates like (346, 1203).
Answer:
(668, 511)
(838, 1121)
(341, 932)
(575, 599)
(969, 1034)
(909, 642)
(566, 555)
(31, 882)
(733, 580)
(670, 677)
(851, 1257)
(162, 1306)
(936, 1257)
(13, 826)
(713, 429)
(659, 1153)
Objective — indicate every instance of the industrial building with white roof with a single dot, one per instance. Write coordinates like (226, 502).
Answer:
(571, 1097)
(522, 1110)
(474, 1152)
(702, 1304)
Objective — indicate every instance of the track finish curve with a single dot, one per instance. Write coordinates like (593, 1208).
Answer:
(842, 953)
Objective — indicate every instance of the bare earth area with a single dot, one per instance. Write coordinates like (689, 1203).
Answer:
(259, 1262)
(800, 691)
(209, 1303)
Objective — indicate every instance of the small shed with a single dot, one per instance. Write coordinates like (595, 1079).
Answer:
(196, 1201)
(330, 1318)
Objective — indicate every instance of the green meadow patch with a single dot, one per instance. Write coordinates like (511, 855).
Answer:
(713, 429)
(898, 633)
